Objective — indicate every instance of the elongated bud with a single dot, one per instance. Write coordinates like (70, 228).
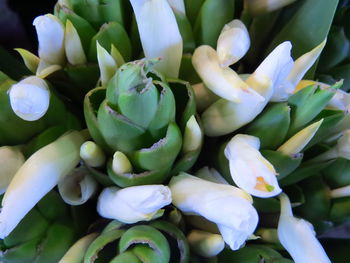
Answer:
(193, 135)
(50, 31)
(298, 236)
(77, 187)
(77, 252)
(106, 63)
(258, 7)
(159, 33)
(205, 244)
(133, 204)
(233, 43)
(296, 144)
(304, 63)
(11, 159)
(92, 154)
(121, 163)
(30, 98)
(36, 177)
(340, 192)
(249, 169)
(73, 47)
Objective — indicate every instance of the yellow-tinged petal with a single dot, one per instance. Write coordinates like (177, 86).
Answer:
(249, 169)
(297, 142)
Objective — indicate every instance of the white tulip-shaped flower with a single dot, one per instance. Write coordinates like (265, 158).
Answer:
(159, 33)
(50, 31)
(11, 159)
(249, 169)
(133, 204)
(30, 98)
(233, 43)
(227, 206)
(242, 100)
(298, 236)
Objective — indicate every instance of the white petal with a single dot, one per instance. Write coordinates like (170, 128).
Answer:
(298, 237)
(30, 98)
(50, 31)
(205, 244)
(233, 43)
(77, 187)
(133, 204)
(249, 169)
(11, 159)
(73, 47)
(304, 63)
(224, 117)
(224, 82)
(36, 177)
(106, 63)
(276, 67)
(159, 33)
(225, 205)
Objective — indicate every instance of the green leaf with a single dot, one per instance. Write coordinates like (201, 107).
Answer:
(100, 242)
(148, 236)
(284, 164)
(212, 17)
(162, 153)
(306, 30)
(131, 179)
(110, 34)
(306, 104)
(271, 126)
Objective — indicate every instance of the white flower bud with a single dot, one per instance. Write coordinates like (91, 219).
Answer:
(193, 135)
(133, 204)
(50, 31)
(249, 169)
(298, 236)
(205, 244)
(227, 206)
(233, 43)
(30, 98)
(92, 154)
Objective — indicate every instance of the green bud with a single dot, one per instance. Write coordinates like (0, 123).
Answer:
(30, 60)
